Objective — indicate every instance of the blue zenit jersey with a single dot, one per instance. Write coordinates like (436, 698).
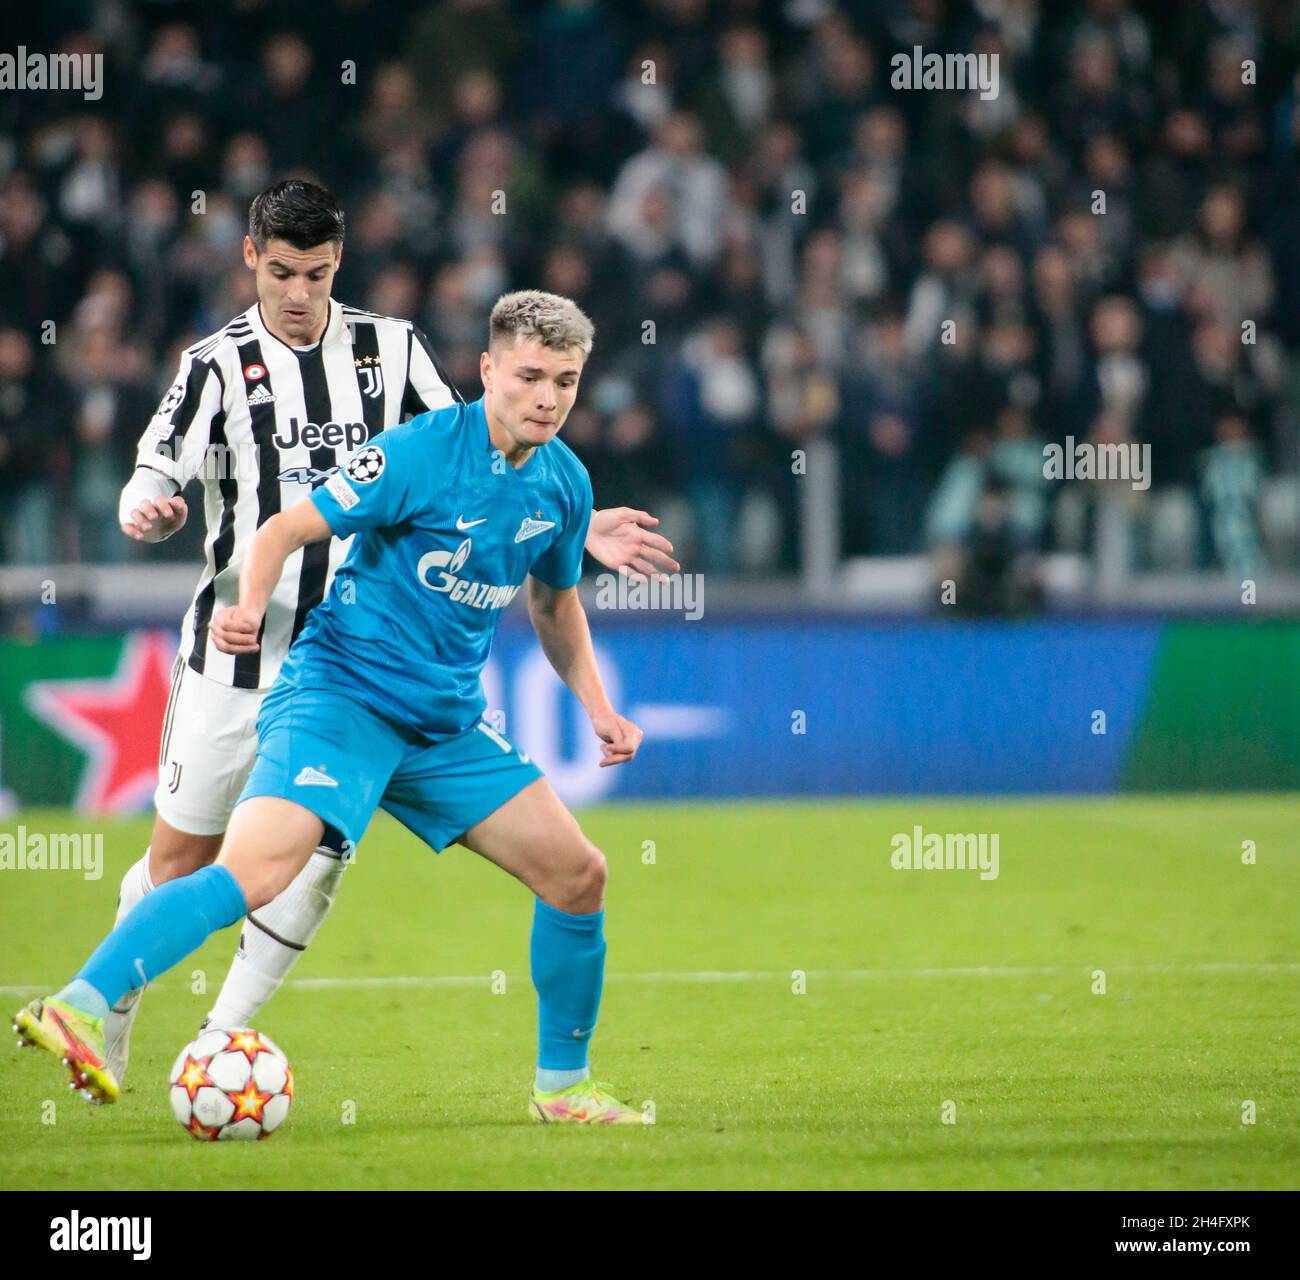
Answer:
(448, 531)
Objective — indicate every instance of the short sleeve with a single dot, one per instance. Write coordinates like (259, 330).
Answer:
(428, 387)
(560, 565)
(375, 488)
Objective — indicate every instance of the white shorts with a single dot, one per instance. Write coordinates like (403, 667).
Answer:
(209, 742)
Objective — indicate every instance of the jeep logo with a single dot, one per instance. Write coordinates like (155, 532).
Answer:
(329, 435)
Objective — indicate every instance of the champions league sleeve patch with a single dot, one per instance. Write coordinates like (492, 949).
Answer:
(175, 394)
(365, 466)
(343, 493)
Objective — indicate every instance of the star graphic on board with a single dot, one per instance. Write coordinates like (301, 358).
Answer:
(116, 720)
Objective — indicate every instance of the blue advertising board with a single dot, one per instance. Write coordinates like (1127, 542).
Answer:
(815, 706)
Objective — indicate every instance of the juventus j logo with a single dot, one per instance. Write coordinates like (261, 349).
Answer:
(175, 780)
(372, 381)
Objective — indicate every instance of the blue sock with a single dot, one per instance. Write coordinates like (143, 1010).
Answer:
(568, 963)
(160, 931)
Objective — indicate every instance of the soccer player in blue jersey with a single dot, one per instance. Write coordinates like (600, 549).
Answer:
(379, 703)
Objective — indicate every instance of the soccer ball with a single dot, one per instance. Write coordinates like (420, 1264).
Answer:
(231, 1083)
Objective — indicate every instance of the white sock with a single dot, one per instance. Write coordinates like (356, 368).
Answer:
(547, 1080)
(274, 937)
(135, 884)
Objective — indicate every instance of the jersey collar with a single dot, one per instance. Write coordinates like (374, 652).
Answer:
(332, 327)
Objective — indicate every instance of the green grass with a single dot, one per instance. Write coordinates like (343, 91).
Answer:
(753, 1085)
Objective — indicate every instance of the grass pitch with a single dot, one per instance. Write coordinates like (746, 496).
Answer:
(798, 1012)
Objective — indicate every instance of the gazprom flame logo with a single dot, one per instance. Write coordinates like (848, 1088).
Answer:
(475, 595)
(447, 561)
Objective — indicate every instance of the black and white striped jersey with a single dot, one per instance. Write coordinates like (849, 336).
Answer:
(261, 423)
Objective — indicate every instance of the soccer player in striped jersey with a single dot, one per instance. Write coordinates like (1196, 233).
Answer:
(264, 412)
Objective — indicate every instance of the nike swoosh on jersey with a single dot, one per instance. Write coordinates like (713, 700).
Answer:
(462, 524)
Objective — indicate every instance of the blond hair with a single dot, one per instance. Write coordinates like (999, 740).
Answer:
(556, 322)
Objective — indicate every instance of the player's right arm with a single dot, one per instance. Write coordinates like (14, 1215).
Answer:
(151, 507)
(375, 496)
(235, 629)
(171, 451)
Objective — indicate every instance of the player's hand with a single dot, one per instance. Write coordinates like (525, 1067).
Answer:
(159, 517)
(234, 629)
(621, 538)
(619, 738)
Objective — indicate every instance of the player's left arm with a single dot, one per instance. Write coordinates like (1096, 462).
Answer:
(560, 621)
(561, 624)
(428, 385)
(622, 538)
(235, 629)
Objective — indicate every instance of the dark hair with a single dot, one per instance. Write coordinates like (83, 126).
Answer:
(300, 212)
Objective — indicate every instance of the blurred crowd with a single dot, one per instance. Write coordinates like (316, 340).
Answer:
(785, 257)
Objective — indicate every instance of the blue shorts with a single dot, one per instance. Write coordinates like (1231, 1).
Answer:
(333, 755)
